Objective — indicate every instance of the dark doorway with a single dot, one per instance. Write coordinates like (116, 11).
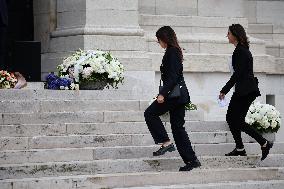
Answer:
(20, 26)
(23, 51)
(21, 20)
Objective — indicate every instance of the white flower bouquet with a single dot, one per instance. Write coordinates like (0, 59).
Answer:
(263, 117)
(91, 65)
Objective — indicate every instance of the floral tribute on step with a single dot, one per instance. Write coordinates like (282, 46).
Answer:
(263, 117)
(7, 80)
(87, 68)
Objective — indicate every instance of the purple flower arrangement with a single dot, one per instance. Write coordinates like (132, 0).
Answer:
(55, 82)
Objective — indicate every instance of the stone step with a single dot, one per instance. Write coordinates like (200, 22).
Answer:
(205, 44)
(197, 176)
(106, 94)
(85, 117)
(120, 128)
(181, 7)
(35, 85)
(29, 130)
(138, 61)
(280, 61)
(30, 106)
(104, 42)
(275, 48)
(260, 28)
(275, 184)
(194, 63)
(28, 170)
(247, 138)
(280, 64)
(189, 24)
(118, 152)
(81, 141)
(281, 49)
(216, 63)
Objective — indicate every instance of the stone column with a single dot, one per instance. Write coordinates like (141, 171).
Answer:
(98, 24)
(104, 25)
(44, 21)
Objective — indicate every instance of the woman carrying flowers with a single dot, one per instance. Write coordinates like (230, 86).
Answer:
(246, 91)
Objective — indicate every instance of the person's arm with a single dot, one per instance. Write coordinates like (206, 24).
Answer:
(171, 71)
(240, 61)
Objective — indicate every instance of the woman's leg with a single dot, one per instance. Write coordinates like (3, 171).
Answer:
(240, 107)
(154, 122)
(245, 103)
(233, 120)
(182, 141)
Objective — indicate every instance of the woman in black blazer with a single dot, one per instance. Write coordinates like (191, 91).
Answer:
(171, 75)
(246, 91)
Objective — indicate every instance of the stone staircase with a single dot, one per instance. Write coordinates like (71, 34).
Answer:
(98, 139)
(206, 54)
(197, 35)
(274, 40)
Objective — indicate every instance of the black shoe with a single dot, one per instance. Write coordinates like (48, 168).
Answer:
(190, 166)
(235, 152)
(164, 149)
(265, 150)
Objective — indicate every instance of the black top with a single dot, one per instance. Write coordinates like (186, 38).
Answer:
(171, 74)
(3, 13)
(243, 77)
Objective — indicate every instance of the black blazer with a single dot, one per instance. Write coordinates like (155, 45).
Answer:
(243, 77)
(171, 74)
(3, 13)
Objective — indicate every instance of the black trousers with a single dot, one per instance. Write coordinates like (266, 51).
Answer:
(159, 133)
(235, 117)
(3, 36)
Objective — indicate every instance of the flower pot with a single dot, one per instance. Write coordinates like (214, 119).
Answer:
(269, 136)
(92, 85)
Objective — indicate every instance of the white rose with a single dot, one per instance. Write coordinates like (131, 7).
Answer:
(87, 72)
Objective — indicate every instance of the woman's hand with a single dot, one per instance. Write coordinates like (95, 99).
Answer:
(221, 96)
(160, 99)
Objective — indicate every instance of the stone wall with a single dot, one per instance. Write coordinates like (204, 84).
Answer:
(193, 7)
(126, 28)
(97, 24)
(266, 19)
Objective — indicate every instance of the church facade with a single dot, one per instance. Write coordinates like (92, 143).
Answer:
(127, 29)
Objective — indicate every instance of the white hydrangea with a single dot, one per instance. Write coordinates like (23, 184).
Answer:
(87, 72)
(90, 61)
(264, 114)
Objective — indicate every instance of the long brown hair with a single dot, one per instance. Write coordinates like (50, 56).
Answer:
(239, 32)
(168, 36)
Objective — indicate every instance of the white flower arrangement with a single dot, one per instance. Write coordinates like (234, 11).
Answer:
(263, 117)
(91, 65)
